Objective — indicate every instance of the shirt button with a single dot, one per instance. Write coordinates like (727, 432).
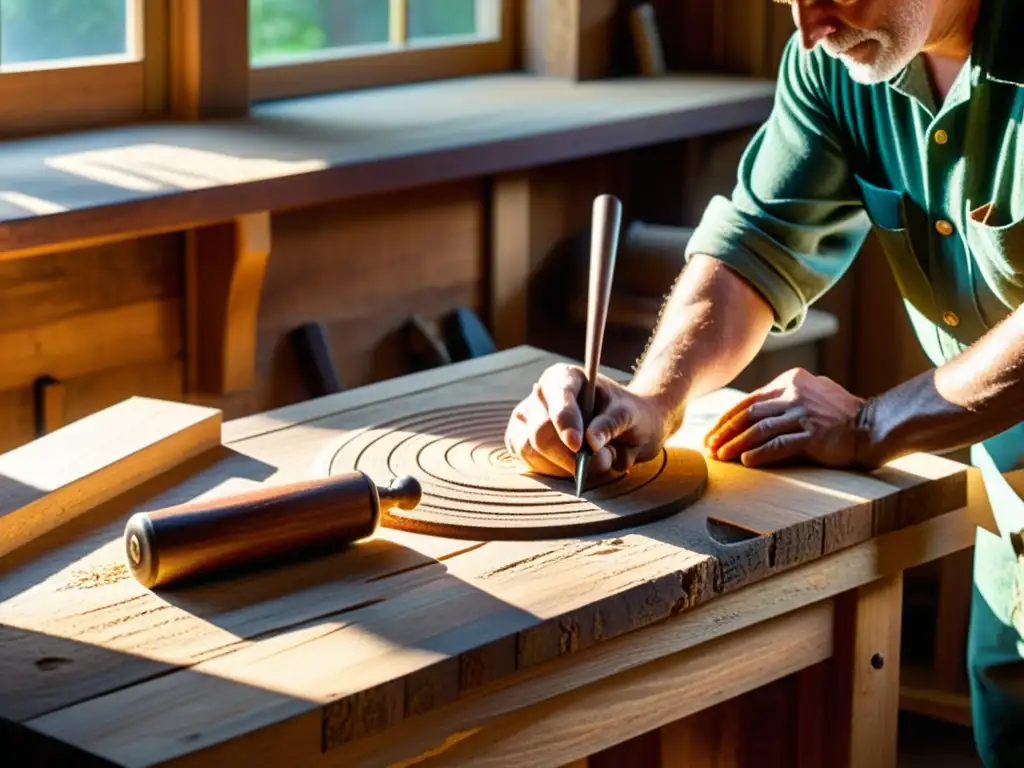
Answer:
(944, 227)
(941, 137)
(950, 319)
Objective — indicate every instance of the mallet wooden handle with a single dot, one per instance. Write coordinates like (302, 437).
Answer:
(188, 540)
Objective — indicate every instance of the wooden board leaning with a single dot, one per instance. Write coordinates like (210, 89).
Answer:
(300, 663)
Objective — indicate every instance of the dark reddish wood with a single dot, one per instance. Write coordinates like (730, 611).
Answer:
(474, 488)
(188, 540)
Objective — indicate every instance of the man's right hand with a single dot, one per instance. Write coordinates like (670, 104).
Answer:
(546, 428)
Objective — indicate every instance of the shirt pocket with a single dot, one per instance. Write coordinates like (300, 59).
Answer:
(885, 208)
(998, 249)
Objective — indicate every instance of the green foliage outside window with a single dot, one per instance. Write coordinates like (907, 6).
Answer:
(41, 30)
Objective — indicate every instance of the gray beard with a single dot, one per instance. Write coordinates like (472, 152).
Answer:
(898, 44)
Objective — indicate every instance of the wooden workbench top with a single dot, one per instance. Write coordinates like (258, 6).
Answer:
(287, 662)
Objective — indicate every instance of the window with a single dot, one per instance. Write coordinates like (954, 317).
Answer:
(75, 63)
(300, 47)
(62, 33)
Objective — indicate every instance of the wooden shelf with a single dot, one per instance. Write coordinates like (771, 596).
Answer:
(920, 695)
(78, 189)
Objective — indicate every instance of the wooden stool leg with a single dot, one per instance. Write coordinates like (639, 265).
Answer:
(867, 668)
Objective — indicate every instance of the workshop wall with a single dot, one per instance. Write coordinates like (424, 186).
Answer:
(108, 322)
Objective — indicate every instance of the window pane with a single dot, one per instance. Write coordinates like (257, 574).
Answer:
(295, 27)
(45, 30)
(442, 18)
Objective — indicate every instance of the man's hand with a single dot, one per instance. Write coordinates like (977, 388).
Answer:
(546, 428)
(796, 416)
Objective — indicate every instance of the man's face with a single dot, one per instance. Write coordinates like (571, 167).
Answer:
(875, 39)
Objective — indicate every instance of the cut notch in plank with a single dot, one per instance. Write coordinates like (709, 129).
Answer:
(72, 470)
(226, 264)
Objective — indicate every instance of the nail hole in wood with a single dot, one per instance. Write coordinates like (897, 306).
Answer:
(877, 661)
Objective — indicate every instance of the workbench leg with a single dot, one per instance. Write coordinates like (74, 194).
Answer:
(866, 664)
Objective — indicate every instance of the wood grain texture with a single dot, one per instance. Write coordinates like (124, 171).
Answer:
(145, 332)
(517, 694)
(66, 473)
(347, 645)
(114, 184)
(474, 489)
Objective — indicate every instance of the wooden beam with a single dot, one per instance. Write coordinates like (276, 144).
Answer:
(209, 59)
(511, 257)
(225, 266)
(867, 666)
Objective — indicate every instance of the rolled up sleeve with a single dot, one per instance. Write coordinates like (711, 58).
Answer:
(795, 221)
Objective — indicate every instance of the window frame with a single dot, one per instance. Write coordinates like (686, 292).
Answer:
(89, 93)
(420, 62)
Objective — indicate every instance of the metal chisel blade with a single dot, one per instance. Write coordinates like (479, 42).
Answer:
(582, 464)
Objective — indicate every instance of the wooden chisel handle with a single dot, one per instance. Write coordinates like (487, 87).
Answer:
(604, 241)
(200, 537)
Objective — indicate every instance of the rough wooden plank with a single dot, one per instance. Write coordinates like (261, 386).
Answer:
(150, 178)
(64, 474)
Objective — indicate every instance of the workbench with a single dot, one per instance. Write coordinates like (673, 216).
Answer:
(410, 649)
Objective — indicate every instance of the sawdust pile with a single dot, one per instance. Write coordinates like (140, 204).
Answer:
(100, 576)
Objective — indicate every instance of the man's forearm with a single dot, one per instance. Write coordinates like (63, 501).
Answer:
(969, 399)
(711, 327)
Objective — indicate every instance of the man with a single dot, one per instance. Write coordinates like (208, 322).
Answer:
(905, 116)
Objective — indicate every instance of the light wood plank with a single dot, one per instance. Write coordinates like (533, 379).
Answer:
(64, 474)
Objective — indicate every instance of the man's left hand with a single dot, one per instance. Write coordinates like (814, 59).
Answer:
(796, 416)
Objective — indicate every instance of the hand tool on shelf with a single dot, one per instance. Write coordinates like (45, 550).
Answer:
(604, 239)
(202, 537)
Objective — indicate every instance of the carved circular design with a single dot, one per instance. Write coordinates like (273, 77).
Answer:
(474, 488)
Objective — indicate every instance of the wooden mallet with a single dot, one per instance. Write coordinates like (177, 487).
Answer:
(201, 537)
